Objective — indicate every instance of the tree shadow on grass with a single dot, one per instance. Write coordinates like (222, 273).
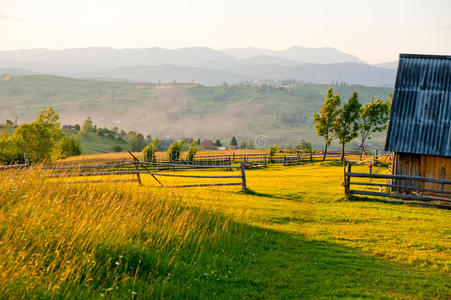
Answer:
(257, 263)
(289, 196)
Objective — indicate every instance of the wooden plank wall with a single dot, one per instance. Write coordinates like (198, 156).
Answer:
(421, 165)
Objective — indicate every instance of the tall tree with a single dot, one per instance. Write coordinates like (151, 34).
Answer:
(347, 125)
(325, 120)
(373, 118)
(88, 126)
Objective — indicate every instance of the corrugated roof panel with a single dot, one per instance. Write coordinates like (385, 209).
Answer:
(420, 119)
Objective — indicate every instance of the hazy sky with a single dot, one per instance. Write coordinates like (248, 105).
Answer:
(376, 30)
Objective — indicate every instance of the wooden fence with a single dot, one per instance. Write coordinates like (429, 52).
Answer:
(435, 197)
(134, 167)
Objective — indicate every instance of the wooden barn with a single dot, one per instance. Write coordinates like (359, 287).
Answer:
(419, 130)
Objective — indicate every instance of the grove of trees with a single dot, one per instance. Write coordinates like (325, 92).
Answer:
(352, 119)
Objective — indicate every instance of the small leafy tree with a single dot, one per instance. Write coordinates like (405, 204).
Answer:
(325, 120)
(306, 147)
(373, 118)
(40, 138)
(136, 140)
(273, 149)
(70, 146)
(346, 125)
(192, 151)
(9, 153)
(88, 126)
(234, 142)
(175, 150)
(218, 143)
(149, 152)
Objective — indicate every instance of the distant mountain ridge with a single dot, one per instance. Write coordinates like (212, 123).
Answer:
(324, 55)
(199, 64)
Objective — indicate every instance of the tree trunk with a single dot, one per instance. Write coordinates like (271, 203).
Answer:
(361, 151)
(325, 152)
(342, 152)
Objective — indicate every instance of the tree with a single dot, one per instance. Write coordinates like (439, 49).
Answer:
(88, 126)
(41, 137)
(234, 142)
(175, 150)
(373, 118)
(346, 125)
(9, 153)
(273, 149)
(70, 146)
(325, 120)
(192, 151)
(218, 143)
(77, 127)
(9, 123)
(306, 147)
(150, 150)
(149, 137)
(136, 140)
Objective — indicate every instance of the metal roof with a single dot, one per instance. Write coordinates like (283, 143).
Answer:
(420, 117)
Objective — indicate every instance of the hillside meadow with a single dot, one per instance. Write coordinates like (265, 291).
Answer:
(291, 235)
(282, 113)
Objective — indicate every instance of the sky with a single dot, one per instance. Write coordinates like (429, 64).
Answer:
(375, 31)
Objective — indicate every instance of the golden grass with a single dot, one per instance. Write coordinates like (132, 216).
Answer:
(56, 236)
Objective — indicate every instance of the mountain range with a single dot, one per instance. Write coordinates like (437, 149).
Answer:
(200, 64)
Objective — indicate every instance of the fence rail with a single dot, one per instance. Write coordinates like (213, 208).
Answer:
(435, 197)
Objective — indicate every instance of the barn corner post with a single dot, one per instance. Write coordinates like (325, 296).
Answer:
(243, 176)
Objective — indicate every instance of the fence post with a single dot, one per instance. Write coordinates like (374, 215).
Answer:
(347, 179)
(284, 159)
(266, 162)
(25, 157)
(311, 159)
(137, 173)
(243, 176)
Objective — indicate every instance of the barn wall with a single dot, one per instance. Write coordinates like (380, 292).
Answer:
(421, 165)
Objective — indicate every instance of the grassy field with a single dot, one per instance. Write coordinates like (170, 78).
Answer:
(290, 236)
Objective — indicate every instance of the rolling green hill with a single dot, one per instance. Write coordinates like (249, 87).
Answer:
(282, 113)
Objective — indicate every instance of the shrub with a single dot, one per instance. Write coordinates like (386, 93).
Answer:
(192, 151)
(150, 150)
(70, 147)
(272, 151)
(175, 150)
(117, 149)
(9, 153)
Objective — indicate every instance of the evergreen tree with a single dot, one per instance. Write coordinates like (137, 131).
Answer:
(234, 142)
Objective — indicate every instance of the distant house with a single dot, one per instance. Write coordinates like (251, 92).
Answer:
(208, 144)
(68, 127)
(419, 131)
